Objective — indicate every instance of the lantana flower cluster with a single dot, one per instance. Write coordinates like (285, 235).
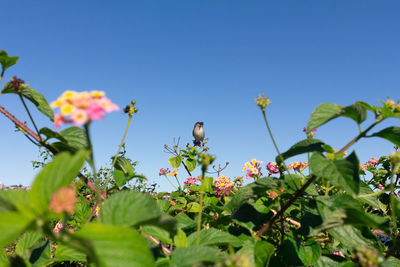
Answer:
(298, 166)
(272, 168)
(223, 185)
(79, 108)
(59, 226)
(253, 169)
(173, 172)
(163, 171)
(371, 163)
(191, 181)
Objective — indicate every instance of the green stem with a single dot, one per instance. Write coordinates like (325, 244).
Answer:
(273, 141)
(170, 182)
(355, 139)
(91, 162)
(373, 194)
(116, 155)
(201, 209)
(327, 188)
(29, 114)
(179, 184)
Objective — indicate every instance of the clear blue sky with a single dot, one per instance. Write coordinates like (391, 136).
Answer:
(188, 61)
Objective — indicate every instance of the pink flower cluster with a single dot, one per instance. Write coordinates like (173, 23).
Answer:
(272, 168)
(298, 166)
(81, 107)
(372, 162)
(58, 227)
(163, 171)
(191, 181)
(223, 185)
(253, 169)
(338, 253)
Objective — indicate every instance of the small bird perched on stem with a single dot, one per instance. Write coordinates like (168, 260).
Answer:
(198, 133)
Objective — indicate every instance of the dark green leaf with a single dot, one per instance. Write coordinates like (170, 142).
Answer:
(391, 134)
(263, 252)
(309, 254)
(304, 146)
(65, 253)
(76, 137)
(355, 112)
(38, 100)
(322, 114)
(192, 256)
(184, 221)
(158, 233)
(395, 202)
(55, 175)
(340, 172)
(52, 134)
(26, 242)
(391, 262)
(128, 208)
(7, 61)
(213, 236)
(117, 246)
(364, 195)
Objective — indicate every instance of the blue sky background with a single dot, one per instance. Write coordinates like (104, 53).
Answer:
(188, 61)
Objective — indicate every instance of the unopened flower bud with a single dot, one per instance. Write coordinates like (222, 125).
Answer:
(390, 103)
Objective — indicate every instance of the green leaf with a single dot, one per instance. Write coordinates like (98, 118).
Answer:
(16, 200)
(55, 175)
(7, 61)
(12, 225)
(124, 165)
(328, 111)
(129, 208)
(175, 162)
(76, 137)
(193, 207)
(263, 251)
(193, 256)
(65, 253)
(191, 164)
(309, 254)
(304, 146)
(116, 245)
(26, 242)
(207, 184)
(38, 100)
(395, 202)
(365, 190)
(184, 221)
(391, 262)
(355, 112)
(325, 261)
(350, 237)
(340, 172)
(251, 192)
(51, 134)
(293, 181)
(157, 232)
(4, 258)
(322, 114)
(391, 134)
(213, 236)
(180, 239)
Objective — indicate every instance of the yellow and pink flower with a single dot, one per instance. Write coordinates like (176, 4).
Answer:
(80, 108)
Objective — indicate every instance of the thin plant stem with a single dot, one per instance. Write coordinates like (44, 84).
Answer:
(92, 164)
(273, 141)
(119, 149)
(179, 184)
(201, 209)
(29, 114)
(170, 182)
